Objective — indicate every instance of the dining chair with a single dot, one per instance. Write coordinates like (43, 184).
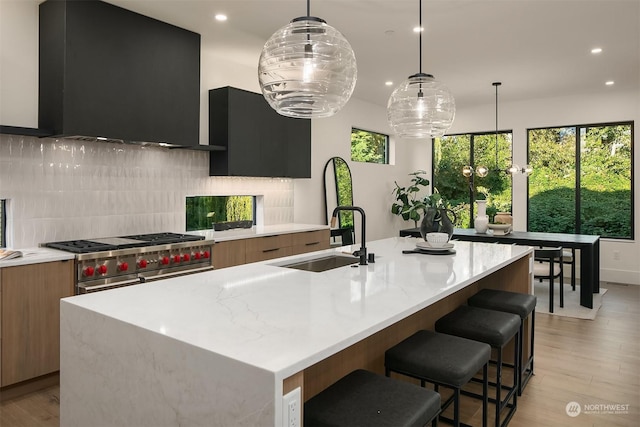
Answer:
(569, 257)
(548, 266)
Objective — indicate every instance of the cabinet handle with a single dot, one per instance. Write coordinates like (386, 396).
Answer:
(270, 250)
(312, 243)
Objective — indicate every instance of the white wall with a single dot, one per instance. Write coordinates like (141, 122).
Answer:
(372, 183)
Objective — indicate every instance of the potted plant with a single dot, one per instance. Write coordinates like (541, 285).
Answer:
(408, 204)
(437, 216)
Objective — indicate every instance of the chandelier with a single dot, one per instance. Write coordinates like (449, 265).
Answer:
(307, 69)
(421, 107)
(483, 171)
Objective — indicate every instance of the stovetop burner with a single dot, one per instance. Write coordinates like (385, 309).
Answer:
(165, 238)
(114, 243)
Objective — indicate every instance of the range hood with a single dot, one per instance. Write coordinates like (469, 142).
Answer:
(110, 74)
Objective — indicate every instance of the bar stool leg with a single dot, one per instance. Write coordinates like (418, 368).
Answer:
(485, 394)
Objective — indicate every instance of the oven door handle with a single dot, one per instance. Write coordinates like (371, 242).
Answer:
(153, 278)
(83, 289)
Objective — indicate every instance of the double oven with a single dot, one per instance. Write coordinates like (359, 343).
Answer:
(106, 263)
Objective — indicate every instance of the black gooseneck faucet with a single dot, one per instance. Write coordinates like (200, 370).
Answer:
(362, 253)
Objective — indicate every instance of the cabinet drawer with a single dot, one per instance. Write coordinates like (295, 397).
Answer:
(310, 241)
(228, 254)
(310, 238)
(268, 254)
(268, 243)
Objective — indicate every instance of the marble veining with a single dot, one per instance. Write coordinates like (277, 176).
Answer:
(238, 332)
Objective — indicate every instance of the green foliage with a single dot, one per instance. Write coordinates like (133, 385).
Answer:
(370, 147)
(203, 211)
(604, 187)
(451, 153)
(408, 201)
(345, 191)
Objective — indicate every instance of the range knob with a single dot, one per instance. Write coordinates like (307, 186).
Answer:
(186, 257)
(89, 271)
(176, 259)
(102, 269)
(206, 254)
(123, 266)
(197, 255)
(164, 260)
(142, 263)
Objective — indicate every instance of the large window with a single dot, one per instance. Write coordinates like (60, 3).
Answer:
(370, 147)
(205, 212)
(582, 180)
(452, 152)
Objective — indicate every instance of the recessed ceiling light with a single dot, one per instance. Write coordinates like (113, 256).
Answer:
(221, 17)
(388, 83)
(418, 29)
(596, 50)
(609, 83)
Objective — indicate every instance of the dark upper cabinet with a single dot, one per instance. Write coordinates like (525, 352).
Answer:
(109, 72)
(259, 142)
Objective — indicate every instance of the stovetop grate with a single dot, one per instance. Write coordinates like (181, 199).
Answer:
(137, 241)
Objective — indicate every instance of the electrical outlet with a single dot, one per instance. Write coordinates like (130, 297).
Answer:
(616, 255)
(291, 408)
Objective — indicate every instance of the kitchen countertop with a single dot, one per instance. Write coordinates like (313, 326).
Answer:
(37, 255)
(257, 231)
(260, 308)
(215, 348)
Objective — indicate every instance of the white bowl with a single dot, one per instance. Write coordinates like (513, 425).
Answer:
(437, 240)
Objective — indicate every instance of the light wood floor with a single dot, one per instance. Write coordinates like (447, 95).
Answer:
(589, 362)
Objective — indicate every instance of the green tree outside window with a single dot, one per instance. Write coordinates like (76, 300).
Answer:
(370, 147)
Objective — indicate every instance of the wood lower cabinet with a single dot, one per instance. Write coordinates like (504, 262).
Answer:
(310, 241)
(229, 253)
(242, 251)
(268, 247)
(30, 312)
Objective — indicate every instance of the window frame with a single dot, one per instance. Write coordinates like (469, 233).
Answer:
(254, 202)
(387, 143)
(577, 208)
(472, 184)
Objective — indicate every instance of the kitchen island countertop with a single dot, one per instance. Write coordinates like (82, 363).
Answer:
(215, 347)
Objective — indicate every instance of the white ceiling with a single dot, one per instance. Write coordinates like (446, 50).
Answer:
(536, 48)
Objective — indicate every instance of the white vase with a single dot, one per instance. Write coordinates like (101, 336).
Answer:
(481, 222)
(482, 207)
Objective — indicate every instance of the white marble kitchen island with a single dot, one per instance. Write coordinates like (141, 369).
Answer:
(221, 347)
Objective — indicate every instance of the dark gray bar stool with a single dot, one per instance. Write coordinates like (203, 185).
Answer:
(497, 329)
(517, 303)
(442, 360)
(365, 399)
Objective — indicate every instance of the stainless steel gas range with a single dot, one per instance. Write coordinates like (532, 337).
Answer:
(112, 262)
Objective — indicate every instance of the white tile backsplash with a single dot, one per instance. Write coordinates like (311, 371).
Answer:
(62, 189)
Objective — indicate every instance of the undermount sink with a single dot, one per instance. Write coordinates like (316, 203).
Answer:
(324, 263)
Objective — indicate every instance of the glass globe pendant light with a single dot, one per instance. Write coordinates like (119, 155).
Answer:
(421, 107)
(307, 69)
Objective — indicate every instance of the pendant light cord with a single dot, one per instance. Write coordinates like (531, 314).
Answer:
(420, 31)
(308, 7)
